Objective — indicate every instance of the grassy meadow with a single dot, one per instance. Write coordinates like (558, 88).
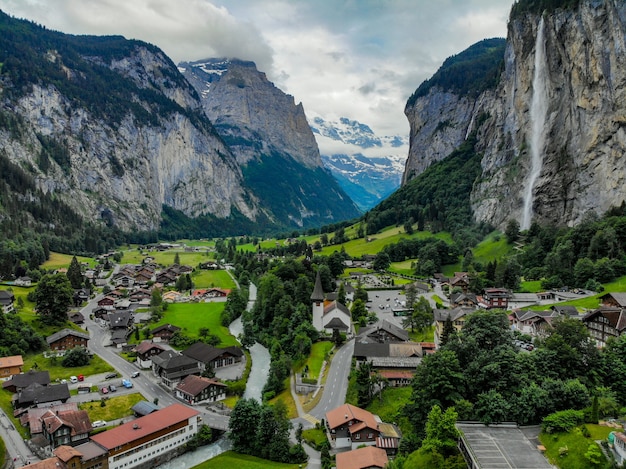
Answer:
(190, 317)
(243, 461)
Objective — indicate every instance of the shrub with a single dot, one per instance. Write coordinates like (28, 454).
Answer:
(562, 421)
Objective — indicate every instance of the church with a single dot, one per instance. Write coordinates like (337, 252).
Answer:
(329, 315)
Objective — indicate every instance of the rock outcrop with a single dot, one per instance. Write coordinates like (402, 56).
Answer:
(582, 161)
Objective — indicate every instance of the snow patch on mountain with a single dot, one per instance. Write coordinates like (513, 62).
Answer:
(368, 167)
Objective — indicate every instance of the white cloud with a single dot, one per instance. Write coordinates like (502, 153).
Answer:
(355, 58)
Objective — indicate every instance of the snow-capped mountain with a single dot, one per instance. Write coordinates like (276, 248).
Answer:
(367, 166)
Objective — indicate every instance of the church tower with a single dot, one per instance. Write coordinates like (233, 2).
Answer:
(317, 298)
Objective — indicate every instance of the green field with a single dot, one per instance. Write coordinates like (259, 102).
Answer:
(53, 365)
(230, 459)
(59, 261)
(116, 407)
(389, 406)
(212, 278)
(166, 258)
(190, 317)
(493, 248)
(576, 444)
(319, 350)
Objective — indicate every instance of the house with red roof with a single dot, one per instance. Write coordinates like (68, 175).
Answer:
(197, 389)
(351, 427)
(150, 438)
(362, 458)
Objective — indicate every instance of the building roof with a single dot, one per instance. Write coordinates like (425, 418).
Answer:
(144, 427)
(33, 416)
(9, 362)
(146, 346)
(442, 314)
(336, 323)
(205, 353)
(335, 305)
(23, 380)
(65, 453)
(38, 394)
(165, 327)
(362, 458)
(389, 328)
(194, 385)
(346, 412)
(120, 319)
(77, 420)
(318, 291)
(64, 333)
(620, 298)
(565, 309)
(145, 408)
(616, 317)
(90, 450)
(171, 361)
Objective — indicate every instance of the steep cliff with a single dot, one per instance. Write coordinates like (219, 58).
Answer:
(111, 128)
(575, 58)
(272, 140)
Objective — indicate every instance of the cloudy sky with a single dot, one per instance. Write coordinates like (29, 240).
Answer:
(359, 59)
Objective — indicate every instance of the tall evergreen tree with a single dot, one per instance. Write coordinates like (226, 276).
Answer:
(74, 274)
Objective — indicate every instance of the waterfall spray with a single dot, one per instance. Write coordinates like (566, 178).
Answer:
(538, 114)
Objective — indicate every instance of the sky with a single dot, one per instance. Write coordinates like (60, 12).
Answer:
(360, 59)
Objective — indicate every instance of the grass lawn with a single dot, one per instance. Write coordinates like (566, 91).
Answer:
(58, 261)
(166, 257)
(243, 461)
(53, 365)
(319, 350)
(393, 401)
(493, 247)
(577, 446)
(314, 436)
(287, 399)
(190, 317)
(427, 335)
(116, 407)
(212, 278)
(5, 403)
(533, 286)
(406, 267)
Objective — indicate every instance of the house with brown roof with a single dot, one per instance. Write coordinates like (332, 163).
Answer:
(172, 367)
(107, 302)
(11, 366)
(164, 332)
(350, 426)
(85, 456)
(456, 315)
(6, 301)
(70, 427)
(604, 323)
(211, 357)
(383, 332)
(67, 339)
(197, 389)
(362, 458)
(149, 439)
(145, 351)
(495, 298)
(23, 380)
(617, 300)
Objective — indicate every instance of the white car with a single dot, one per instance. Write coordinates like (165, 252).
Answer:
(135, 374)
(99, 423)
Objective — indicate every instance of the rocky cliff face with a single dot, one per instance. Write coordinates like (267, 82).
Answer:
(272, 140)
(581, 161)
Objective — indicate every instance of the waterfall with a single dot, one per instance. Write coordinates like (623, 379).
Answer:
(538, 113)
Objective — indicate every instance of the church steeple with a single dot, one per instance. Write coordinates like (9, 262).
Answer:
(317, 298)
(318, 291)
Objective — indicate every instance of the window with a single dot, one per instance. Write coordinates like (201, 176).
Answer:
(357, 436)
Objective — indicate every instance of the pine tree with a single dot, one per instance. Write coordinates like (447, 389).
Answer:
(74, 274)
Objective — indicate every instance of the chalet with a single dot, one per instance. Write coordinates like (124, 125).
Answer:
(107, 302)
(67, 339)
(36, 394)
(100, 313)
(140, 295)
(23, 281)
(172, 367)
(196, 389)
(350, 427)
(10, 366)
(81, 295)
(565, 310)
(143, 278)
(616, 300)
(66, 427)
(6, 301)
(166, 278)
(171, 296)
(389, 356)
(456, 315)
(604, 323)
(362, 458)
(463, 300)
(460, 280)
(383, 332)
(145, 351)
(209, 265)
(495, 298)
(148, 440)
(87, 455)
(397, 378)
(31, 418)
(120, 320)
(527, 321)
(23, 380)
(209, 357)
(77, 318)
(164, 332)
(421, 288)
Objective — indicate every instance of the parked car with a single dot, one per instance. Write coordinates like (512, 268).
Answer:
(73, 379)
(99, 423)
(126, 383)
(135, 374)
(112, 388)
(110, 376)
(104, 390)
